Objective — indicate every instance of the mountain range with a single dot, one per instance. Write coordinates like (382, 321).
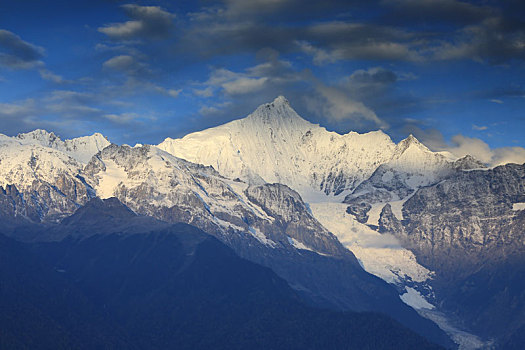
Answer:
(350, 222)
(162, 286)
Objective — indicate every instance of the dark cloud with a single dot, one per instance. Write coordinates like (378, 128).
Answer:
(432, 11)
(376, 75)
(218, 36)
(511, 8)
(417, 30)
(17, 53)
(388, 30)
(325, 42)
(379, 89)
(134, 77)
(496, 40)
(150, 22)
(288, 10)
(236, 26)
(347, 40)
(501, 92)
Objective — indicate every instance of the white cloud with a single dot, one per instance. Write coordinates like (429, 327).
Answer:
(479, 127)
(173, 92)
(221, 76)
(462, 145)
(127, 64)
(123, 30)
(208, 110)
(508, 155)
(12, 110)
(337, 105)
(244, 85)
(263, 76)
(496, 101)
(232, 83)
(55, 78)
(123, 118)
(207, 92)
(147, 22)
(320, 56)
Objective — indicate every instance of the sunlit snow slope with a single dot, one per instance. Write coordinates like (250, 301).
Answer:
(274, 144)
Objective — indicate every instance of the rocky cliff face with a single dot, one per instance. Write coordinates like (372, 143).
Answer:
(48, 181)
(13, 209)
(469, 215)
(470, 230)
(155, 183)
(294, 218)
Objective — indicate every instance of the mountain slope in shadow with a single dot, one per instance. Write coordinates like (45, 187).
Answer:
(171, 287)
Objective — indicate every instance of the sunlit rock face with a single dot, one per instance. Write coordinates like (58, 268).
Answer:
(469, 215)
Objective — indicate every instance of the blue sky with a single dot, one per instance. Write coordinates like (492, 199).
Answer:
(450, 72)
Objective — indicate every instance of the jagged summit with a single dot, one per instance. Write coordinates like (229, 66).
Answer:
(278, 104)
(281, 100)
(410, 141)
(44, 136)
(81, 148)
(38, 135)
(278, 114)
(275, 144)
(469, 162)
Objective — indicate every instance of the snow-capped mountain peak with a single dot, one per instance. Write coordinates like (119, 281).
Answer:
(410, 155)
(410, 141)
(275, 144)
(83, 148)
(468, 162)
(279, 109)
(46, 171)
(80, 148)
(279, 117)
(38, 136)
(281, 100)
